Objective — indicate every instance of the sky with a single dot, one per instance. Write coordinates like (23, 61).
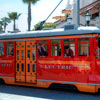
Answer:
(40, 11)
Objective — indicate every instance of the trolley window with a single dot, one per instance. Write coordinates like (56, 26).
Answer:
(42, 48)
(1, 49)
(22, 54)
(55, 48)
(10, 49)
(84, 47)
(69, 48)
(98, 51)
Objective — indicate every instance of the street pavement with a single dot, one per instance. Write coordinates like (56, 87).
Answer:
(8, 92)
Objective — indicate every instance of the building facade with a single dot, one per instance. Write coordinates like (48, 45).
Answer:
(91, 6)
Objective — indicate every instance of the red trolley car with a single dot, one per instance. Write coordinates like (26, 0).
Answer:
(44, 58)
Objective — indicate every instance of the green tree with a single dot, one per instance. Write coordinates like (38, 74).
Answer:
(36, 26)
(49, 26)
(14, 16)
(45, 26)
(5, 21)
(29, 11)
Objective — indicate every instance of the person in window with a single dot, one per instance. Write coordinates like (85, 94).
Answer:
(42, 51)
(1, 51)
(68, 51)
(10, 51)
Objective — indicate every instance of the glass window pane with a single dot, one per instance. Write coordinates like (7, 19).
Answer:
(22, 46)
(28, 67)
(83, 40)
(33, 54)
(28, 53)
(28, 46)
(17, 54)
(33, 46)
(33, 69)
(55, 41)
(1, 43)
(56, 50)
(17, 46)
(17, 67)
(98, 53)
(69, 50)
(10, 43)
(22, 54)
(68, 40)
(84, 50)
(22, 67)
(43, 42)
(42, 50)
(10, 51)
(1, 51)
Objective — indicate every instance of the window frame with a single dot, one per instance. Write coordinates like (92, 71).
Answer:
(84, 43)
(56, 44)
(3, 48)
(74, 52)
(97, 49)
(42, 57)
(13, 45)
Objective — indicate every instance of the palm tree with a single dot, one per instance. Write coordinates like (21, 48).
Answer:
(5, 21)
(14, 16)
(1, 25)
(29, 11)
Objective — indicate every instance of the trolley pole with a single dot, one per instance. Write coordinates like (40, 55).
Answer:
(41, 24)
(78, 12)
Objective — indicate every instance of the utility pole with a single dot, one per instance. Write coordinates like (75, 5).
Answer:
(78, 12)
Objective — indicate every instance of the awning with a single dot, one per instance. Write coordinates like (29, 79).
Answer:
(59, 17)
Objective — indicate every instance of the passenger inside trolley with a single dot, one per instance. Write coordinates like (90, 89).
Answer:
(42, 50)
(98, 48)
(68, 51)
(10, 51)
(1, 51)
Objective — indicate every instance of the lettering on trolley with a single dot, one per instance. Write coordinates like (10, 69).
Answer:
(45, 66)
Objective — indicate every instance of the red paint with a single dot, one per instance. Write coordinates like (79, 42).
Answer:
(73, 74)
(7, 63)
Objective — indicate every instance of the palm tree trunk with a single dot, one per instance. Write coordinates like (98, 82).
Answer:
(14, 26)
(4, 27)
(29, 16)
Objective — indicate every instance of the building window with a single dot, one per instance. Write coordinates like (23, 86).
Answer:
(84, 47)
(55, 48)
(96, 15)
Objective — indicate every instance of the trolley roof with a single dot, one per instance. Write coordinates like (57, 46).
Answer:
(48, 33)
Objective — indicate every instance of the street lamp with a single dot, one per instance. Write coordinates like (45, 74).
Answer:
(69, 20)
(87, 18)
